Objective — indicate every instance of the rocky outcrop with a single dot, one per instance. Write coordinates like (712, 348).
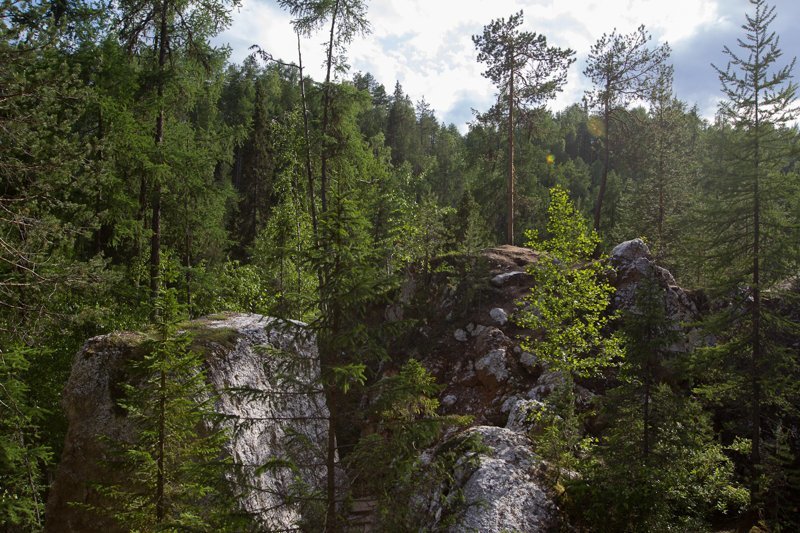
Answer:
(465, 334)
(248, 353)
(634, 264)
(499, 485)
(488, 374)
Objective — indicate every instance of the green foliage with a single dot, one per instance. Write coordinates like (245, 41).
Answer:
(557, 434)
(678, 486)
(622, 68)
(656, 465)
(566, 309)
(748, 247)
(170, 471)
(438, 475)
(83, 87)
(22, 456)
(781, 481)
(528, 72)
(656, 204)
(403, 421)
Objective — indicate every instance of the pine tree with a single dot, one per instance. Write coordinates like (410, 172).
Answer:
(527, 71)
(622, 68)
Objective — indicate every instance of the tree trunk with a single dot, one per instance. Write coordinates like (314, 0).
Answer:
(155, 242)
(755, 452)
(331, 518)
(326, 114)
(646, 414)
(160, 474)
(187, 263)
(510, 187)
(309, 175)
(604, 179)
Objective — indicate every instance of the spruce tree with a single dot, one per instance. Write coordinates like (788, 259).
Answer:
(171, 38)
(22, 456)
(174, 474)
(658, 196)
(751, 235)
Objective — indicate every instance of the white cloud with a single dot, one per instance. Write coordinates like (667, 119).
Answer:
(427, 46)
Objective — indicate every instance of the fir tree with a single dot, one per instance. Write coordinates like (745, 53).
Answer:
(174, 474)
(751, 234)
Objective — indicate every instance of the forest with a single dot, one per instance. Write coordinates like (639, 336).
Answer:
(146, 180)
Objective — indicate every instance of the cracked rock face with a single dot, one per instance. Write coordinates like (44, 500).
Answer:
(242, 352)
(500, 485)
(634, 264)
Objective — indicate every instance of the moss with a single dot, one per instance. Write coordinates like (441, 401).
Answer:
(205, 339)
(225, 315)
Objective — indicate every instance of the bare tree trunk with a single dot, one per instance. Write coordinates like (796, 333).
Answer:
(510, 187)
(326, 114)
(604, 179)
(755, 452)
(646, 414)
(310, 176)
(160, 474)
(155, 242)
(187, 263)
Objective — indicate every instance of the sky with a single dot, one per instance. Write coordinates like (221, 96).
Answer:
(426, 45)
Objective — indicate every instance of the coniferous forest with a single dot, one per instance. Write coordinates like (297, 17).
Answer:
(147, 181)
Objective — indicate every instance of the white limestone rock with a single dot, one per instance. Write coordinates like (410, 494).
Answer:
(492, 367)
(501, 488)
(244, 351)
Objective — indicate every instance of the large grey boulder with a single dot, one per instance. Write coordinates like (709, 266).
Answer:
(501, 487)
(634, 265)
(243, 352)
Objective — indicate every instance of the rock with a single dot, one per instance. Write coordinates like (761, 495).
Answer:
(634, 264)
(478, 330)
(460, 335)
(528, 360)
(519, 419)
(449, 400)
(235, 358)
(491, 368)
(499, 316)
(546, 384)
(508, 404)
(500, 486)
(629, 251)
(510, 278)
